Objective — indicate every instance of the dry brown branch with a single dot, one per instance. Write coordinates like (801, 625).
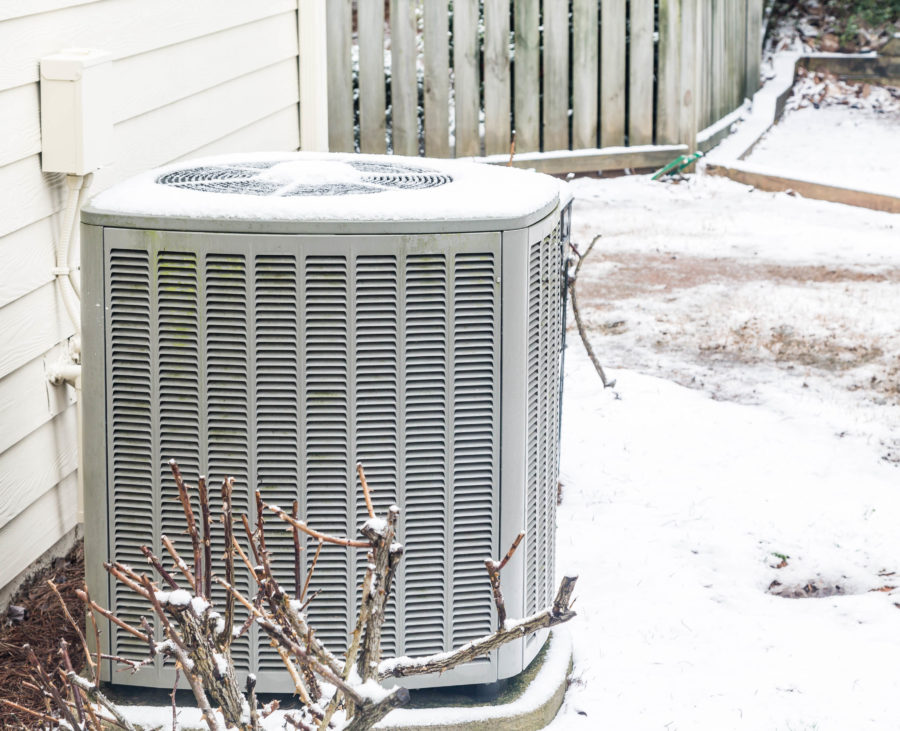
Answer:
(49, 688)
(179, 562)
(207, 526)
(365, 489)
(558, 613)
(95, 670)
(191, 523)
(386, 555)
(67, 664)
(226, 637)
(493, 569)
(99, 698)
(160, 569)
(295, 536)
(314, 533)
(31, 712)
(312, 567)
(119, 572)
(89, 611)
(106, 614)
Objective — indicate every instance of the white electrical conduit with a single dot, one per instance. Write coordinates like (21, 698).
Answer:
(69, 287)
(69, 371)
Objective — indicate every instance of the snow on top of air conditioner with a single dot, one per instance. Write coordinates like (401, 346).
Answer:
(280, 186)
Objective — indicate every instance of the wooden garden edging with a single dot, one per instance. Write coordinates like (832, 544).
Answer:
(768, 106)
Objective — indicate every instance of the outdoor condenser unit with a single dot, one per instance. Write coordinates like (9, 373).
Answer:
(279, 317)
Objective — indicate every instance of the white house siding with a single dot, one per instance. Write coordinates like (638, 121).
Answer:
(190, 78)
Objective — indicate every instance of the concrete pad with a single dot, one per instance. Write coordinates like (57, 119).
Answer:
(533, 699)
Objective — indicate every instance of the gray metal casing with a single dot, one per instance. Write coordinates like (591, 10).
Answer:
(262, 352)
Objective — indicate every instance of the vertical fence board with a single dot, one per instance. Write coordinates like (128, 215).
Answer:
(340, 81)
(640, 74)
(585, 66)
(754, 46)
(526, 73)
(556, 74)
(496, 77)
(404, 96)
(690, 53)
(437, 79)
(668, 86)
(612, 73)
(465, 76)
(370, 22)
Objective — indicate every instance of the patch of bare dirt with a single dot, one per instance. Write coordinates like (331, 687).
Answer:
(636, 274)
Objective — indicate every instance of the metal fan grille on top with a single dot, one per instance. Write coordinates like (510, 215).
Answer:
(250, 178)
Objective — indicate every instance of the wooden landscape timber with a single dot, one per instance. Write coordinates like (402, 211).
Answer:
(777, 183)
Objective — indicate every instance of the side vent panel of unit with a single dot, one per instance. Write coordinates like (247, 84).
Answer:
(227, 367)
(474, 432)
(131, 435)
(327, 457)
(543, 377)
(283, 370)
(426, 454)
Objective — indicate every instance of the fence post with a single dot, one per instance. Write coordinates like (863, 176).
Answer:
(313, 76)
(690, 54)
(338, 18)
(668, 96)
(754, 46)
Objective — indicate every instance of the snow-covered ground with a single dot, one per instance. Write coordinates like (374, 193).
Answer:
(752, 450)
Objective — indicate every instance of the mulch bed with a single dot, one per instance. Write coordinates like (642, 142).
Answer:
(42, 626)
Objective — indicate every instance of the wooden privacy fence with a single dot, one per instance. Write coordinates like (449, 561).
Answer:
(461, 78)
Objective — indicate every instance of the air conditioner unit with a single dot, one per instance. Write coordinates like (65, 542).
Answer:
(279, 317)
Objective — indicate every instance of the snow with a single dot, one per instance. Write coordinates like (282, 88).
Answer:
(678, 503)
(199, 605)
(475, 192)
(375, 525)
(177, 598)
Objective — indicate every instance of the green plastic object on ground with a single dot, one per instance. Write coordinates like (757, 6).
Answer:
(677, 165)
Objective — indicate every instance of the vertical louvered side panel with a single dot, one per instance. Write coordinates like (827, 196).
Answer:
(376, 294)
(425, 457)
(178, 338)
(543, 376)
(276, 360)
(179, 384)
(554, 338)
(328, 504)
(474, 442)
(131, 408)
(227, 408)
(533, 381)
(543, 420)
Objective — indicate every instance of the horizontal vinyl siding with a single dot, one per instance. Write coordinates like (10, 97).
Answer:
(189, 79)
